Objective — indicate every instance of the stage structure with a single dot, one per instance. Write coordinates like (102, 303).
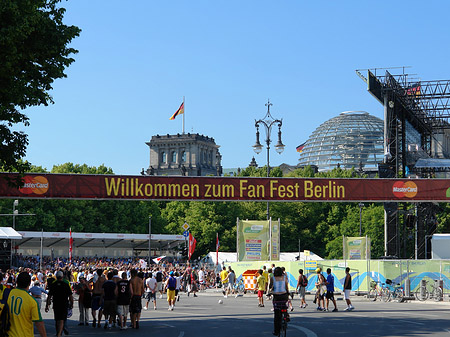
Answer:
(416, 142)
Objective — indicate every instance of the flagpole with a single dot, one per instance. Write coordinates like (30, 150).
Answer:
(184, 107)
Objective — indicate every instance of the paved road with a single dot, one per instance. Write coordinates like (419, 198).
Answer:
(204, 316)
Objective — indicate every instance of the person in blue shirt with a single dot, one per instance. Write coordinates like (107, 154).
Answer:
(330, 290)
(36, 291)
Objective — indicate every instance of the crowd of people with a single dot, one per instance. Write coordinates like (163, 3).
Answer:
(108, 291)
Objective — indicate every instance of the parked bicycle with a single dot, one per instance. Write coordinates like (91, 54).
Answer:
(375, 291)
(391, 292)
(424, 292)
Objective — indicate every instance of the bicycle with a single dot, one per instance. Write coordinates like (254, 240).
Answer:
(239, 288)
(391, 292)
(435, 293)
(375, 292)
(282, 307)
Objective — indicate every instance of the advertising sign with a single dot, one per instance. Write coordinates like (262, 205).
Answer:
(80, 186)
(254, 239)
(356, 248)
(275, 239)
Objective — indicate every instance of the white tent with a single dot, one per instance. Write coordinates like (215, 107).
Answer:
(210, 258)
(8, 233)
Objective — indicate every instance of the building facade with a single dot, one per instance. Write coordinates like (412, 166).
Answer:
(184, 155)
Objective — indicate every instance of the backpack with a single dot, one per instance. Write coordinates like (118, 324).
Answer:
(5, 323)
(304, 281)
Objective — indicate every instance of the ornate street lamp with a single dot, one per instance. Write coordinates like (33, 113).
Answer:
(267, 122)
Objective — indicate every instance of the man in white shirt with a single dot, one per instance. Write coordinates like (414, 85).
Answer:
(150, 290)
(201, 279)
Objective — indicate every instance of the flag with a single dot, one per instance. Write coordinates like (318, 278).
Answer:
(414, 89)
(158, 259)
(217, 249)
(192, 243)
(300, 147)
(180, 111)
(70, 245)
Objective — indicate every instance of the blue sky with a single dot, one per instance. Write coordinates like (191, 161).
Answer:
(137, 59)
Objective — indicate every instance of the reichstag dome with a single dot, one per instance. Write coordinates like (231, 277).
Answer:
(352, 139)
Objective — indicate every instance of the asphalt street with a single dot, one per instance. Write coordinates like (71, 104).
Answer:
(204, 316)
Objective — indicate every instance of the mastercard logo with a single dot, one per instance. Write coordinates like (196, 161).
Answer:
(405, 189)
(36, 185)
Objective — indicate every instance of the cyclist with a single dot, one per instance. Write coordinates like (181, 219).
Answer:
(279, 287)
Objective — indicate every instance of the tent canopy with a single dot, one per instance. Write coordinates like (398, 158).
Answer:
(97, 240)
(9, 233)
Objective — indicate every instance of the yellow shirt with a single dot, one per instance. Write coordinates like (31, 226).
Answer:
(24, 311)
(266, 275)
(75, 276)
(223, 275)
(261, 281)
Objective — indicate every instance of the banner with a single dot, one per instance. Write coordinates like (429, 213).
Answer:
(275, 240)
(254, 240)
(192, 244)
(356, 248)
(80, 186)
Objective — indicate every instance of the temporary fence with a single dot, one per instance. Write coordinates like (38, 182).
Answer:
(362, 272)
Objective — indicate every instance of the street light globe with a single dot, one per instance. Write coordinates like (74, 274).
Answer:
(257, 148)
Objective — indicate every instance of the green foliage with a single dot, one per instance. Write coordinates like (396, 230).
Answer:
(33, 53)
(81, 169)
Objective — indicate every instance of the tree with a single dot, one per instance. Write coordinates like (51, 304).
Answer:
(33, 53)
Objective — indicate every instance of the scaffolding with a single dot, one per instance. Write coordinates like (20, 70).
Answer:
(413, 109)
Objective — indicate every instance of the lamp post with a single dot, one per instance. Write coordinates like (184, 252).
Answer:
(267, 122)
(15, 212)
(149, 240)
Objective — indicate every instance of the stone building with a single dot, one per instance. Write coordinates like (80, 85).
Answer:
(184, 155)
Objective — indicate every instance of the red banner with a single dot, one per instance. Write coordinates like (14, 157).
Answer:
(77, 186)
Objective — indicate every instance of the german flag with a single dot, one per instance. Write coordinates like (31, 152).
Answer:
(180, 111)
(300, 147)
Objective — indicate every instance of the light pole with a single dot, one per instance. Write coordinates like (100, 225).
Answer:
(15, 212)
(361, 205)
(149, 240)
(268, 121)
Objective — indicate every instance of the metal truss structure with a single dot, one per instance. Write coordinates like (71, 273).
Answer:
(412, 109)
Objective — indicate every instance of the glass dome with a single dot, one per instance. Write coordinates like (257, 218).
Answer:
(349, 139)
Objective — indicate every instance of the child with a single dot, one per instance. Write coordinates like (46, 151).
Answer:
(261, 284)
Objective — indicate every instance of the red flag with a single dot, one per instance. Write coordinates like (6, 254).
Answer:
(217, 249)
(192, 243)
(70, 245)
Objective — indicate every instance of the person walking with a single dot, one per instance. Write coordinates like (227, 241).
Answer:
(109, 299)
(123, 300)
(170, 286)
(36, 291)
(150, 291)
(60, 295)
(321, 290)
(22, 320)
(347, 289)
(330, 290)
(137, 287)
(84, 298)
(97, 304)
(261, 286)
(224, 280)
(302, 282)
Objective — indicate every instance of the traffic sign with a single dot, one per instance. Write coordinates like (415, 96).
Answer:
(185, 226)
(186, 234)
